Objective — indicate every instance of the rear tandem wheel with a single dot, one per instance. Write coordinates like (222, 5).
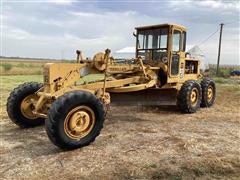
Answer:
(208, 92)
(189, 97)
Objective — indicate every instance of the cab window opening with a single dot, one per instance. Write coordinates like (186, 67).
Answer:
(184, 41)
(176, 40)
(152, 44)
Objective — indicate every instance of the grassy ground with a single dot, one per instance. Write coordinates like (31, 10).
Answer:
(136, 143)
(10, 82)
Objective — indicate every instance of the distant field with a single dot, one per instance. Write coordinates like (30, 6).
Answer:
(35, 67)
(224, 70)
(23, 67)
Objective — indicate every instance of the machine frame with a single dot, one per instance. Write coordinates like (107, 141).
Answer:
(75, 109)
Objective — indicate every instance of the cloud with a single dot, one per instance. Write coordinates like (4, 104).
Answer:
(62, 2)
(127, 50)
(212, 4)
(40, 30)
(89, 31)
(231, 5)
(52, 22)
(206, 11)
(83, 14)
(25, 44)
(16, 33)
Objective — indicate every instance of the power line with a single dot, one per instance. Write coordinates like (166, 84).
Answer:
(202, 42)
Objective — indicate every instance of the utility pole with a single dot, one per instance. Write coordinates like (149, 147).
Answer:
(219, 47)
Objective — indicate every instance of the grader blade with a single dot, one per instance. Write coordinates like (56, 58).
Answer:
(147, 97)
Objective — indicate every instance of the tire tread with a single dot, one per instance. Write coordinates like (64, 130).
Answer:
(61, 105)
(183, 99)
(14, 98)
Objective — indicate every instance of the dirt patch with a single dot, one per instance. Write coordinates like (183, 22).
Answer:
(136, 143)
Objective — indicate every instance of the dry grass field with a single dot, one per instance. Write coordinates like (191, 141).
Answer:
(22, 66)
(136, 143)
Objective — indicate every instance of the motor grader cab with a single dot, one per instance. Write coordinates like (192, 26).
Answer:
(73, 104)
(163, 46)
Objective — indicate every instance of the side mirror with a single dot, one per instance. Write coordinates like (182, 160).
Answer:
(134, 34)
(187, 54)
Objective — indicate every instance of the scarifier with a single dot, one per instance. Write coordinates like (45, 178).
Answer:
(73, 106)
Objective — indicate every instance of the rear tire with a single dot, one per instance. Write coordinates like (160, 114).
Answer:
(208, 92)
(15, 103)
(75, 120)
(189, 97)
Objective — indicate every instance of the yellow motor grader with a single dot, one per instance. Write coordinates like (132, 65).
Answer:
(74, 110)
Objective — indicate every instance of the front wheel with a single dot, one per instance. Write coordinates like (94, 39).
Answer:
(75, 120)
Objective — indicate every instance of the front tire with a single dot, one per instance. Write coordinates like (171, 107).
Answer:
(189, 97)
(75, 120)
(19, 105)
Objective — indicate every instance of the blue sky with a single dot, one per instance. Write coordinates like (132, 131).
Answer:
(56, 28)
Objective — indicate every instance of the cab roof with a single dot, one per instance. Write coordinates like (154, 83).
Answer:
(160, 26)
